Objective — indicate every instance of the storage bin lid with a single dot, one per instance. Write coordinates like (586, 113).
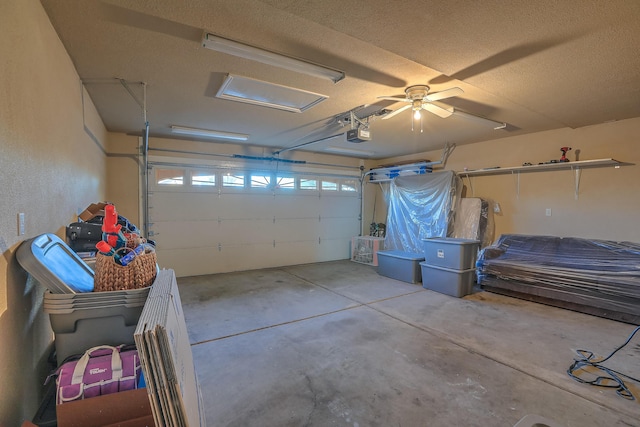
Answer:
(452, 240)
(127, 293)
(412, 256)
(52, 262)
(450, 270)
(92, 310)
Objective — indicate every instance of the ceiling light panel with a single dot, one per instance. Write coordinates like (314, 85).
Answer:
(242, 50)
(216, 134)
(265, 94)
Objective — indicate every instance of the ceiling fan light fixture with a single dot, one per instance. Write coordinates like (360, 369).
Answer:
(231, 47)
(417, 115)
(216, 134)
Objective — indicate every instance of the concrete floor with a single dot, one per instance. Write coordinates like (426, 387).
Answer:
(335, 344)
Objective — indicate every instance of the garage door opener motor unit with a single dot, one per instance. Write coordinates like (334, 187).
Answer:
(358, 135)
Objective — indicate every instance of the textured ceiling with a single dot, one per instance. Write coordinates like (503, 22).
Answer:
(535, 65)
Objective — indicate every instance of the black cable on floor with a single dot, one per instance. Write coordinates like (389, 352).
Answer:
(611, 378)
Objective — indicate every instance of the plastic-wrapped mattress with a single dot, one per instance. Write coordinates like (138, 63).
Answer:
(474, 220)
(598, 277)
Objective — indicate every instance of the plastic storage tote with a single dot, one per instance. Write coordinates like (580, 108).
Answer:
(456, 283)
(400, 265)
(449, 252)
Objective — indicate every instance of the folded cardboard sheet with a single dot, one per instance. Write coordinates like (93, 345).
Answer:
(165, 354)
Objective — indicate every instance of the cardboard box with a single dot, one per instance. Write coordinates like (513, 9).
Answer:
(93, 210)
(127, 408)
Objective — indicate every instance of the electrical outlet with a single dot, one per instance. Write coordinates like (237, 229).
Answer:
(548, 212)
(496, 208)
(21, 227)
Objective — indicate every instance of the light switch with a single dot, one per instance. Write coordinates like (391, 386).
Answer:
(21, 224)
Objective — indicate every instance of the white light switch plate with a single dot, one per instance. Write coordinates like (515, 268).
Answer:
(21, 224)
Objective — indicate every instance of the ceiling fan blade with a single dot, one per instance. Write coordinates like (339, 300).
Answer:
(438, 111)
(398, 111)
(482, 120)
(447, 93)
(393, 98)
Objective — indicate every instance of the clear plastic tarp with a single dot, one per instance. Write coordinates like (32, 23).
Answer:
(420, 207)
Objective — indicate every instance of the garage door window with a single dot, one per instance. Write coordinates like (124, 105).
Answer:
(203, 179)
(170, 176)
(308, 184)
(260, 181)
(350, 185)
(233, 180)
(285, 182)
(329, 185)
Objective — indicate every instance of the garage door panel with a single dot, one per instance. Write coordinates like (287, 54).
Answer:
(244, 230)
(301, 206)
(296, 229)
(212, 233)
(172, 206)
(171, 234)
(341, 227)
(339, 206)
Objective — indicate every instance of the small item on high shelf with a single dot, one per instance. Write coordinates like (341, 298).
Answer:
(564, 154)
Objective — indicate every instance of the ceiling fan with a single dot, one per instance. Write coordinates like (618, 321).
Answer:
(418, 98)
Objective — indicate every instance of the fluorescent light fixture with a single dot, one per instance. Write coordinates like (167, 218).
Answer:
(350, 151)
(265, 94)
(220, 44)
(487, 122)
(217, 134)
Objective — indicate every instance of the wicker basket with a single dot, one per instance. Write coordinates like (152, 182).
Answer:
(111, 276)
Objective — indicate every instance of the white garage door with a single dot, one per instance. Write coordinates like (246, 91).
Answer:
(218, 218)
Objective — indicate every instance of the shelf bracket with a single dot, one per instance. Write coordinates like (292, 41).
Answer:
(578, 172)
(473, 194)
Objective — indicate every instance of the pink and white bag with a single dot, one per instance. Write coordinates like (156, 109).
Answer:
(100, 370)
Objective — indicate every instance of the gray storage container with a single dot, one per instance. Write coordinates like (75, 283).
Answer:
(78, 326)
(456, 283)
(449, 252)
(80, 319)
(400, 265)
(67, 320)
(91, 332)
